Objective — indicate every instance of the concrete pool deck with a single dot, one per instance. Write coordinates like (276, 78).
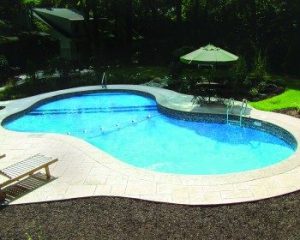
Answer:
(84, 170)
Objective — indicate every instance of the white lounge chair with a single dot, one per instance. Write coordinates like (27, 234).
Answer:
(26, 168)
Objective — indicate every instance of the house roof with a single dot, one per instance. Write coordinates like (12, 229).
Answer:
(70, 14)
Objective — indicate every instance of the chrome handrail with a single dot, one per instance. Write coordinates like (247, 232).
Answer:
(103, 81)
(229, 108)
(243, 109)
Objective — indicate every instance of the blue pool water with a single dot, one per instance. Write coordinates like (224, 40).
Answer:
(129, 127)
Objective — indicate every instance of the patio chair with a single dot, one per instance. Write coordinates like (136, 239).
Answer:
(26, 168)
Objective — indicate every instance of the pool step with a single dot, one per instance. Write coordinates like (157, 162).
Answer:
(233, 121)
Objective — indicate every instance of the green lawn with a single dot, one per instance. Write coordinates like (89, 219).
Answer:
(290, 98)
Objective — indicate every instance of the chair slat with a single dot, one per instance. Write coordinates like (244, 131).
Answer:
(25, 166)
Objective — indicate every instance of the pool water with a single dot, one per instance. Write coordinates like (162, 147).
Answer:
(130, 128)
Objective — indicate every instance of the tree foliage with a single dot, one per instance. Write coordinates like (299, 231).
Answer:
(148, 31)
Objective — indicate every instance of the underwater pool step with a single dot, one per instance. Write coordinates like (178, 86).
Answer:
(234, 121)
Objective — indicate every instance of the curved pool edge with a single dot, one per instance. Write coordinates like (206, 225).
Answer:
(252, 185)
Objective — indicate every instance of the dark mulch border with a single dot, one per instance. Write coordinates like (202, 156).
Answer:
(294, 112)
(121, 218)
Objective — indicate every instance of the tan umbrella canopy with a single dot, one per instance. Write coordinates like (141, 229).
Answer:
(209, 55)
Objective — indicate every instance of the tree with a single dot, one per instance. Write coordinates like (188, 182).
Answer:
(129, 26)
(155, 28)
(178, 7)
(4, 68)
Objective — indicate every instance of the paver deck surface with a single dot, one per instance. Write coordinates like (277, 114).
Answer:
(84, 170)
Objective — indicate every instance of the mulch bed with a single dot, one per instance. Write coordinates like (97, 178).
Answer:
(122, 218)
(294, 112)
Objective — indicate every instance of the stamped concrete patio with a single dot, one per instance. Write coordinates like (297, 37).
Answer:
(84, 170)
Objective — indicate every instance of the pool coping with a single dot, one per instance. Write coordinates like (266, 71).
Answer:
(116, 178)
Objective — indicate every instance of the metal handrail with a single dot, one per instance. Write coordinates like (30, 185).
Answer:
(243, 109)
(103, 81)
(229, 108)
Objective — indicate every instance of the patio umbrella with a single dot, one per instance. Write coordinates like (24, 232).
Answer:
(209, 55)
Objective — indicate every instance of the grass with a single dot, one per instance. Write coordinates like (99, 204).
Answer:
(290, 98)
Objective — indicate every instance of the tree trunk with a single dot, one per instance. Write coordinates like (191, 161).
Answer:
(95, 25)
(151, 6)
(178, 8)
(86, 7)
(253, 22)
(195, 20)
(129, 26)
(205, 24)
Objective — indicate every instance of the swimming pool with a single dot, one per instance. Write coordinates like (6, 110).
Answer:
(131, 128)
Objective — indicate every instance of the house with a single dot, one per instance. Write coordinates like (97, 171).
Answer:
(68, 26)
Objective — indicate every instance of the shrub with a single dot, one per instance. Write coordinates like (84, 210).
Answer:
(176, 67)
(175, 70)
(257, 83)
(291, 64)
(177, 53)
(258, 73)
(238, 75)
(253, 92)
(134, 75)
(4, 68)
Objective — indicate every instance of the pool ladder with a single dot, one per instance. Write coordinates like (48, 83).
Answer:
(104, 80)
(242, 112)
